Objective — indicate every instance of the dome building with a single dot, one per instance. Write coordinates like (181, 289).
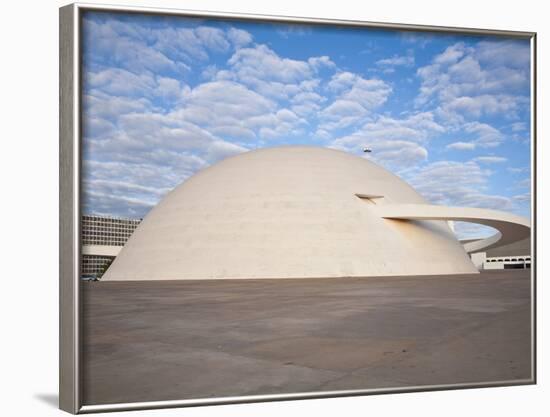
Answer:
(299, 212)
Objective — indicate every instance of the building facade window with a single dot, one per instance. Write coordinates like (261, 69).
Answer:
(103, 231)
(95, 265)
(107, 231)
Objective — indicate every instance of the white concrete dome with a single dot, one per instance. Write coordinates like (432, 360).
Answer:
(288, 212)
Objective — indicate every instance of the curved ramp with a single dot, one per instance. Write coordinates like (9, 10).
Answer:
(511, 227)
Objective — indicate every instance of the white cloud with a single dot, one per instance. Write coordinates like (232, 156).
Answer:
(486, 136)
(524, 183)
(368, 93)
(478, 106)
(395, 143)
(140, 48)
(262, 63)
(133, 184)
(169, 88)
(396, 155)
(470, 82)
(517, 170)
(420, 39)
(212, 38)
(490, 159)
(308, 97)
(239, 37)
(100, 105)
(508, 53)
(287, 30)
(341, 109)
(355, 98)
(323, 135)
(461, 146)
(524, 198)
(397, 61)
(319, 62)
(264, 71)
(145, 131)
(114, 89)
(433, 181)
(97, 127)
(518, 126)
(451, 55)
(126, 46)
(118, 81)
(220, 149)
(233, 131)
(240, 113)
(224, 99)
(399, 154)
(417, 127)
(305, 109)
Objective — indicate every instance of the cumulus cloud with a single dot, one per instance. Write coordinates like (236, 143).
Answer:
(131, 186)
(389, 65)
(508, 53)
(98, 105)
(455, 109)
(524, 183)
(417, 127)
(396, 143)
(262, 63)
(469, 81)
(517, 170)
(455, 183)
(288, 30)
(165, 100)
(354, 98)
(139, 47)
(318, 62)
(225, 99)
(399, 154)
(118, 81)
(519, 126)
(461, 146)
(126, 48)
(239, 37)
(263, 70)
(486, 136)
(490, 159)
(524, 198)
(396, 60)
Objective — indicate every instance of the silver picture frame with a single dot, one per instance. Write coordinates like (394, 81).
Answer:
(70, 110)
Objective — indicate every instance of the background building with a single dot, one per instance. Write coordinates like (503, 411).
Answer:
(516, 255)
(102, 240)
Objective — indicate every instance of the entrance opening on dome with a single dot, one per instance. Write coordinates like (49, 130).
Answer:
(371, 198)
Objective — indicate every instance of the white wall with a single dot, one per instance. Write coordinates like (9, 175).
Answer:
(478, 259)
(29, 206)
(101, 250)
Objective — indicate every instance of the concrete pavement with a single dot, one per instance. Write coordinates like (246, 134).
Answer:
(166, 340)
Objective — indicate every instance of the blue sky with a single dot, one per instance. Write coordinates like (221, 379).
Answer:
(167, 96)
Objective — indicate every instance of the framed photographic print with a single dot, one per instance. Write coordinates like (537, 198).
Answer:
(261, 208)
